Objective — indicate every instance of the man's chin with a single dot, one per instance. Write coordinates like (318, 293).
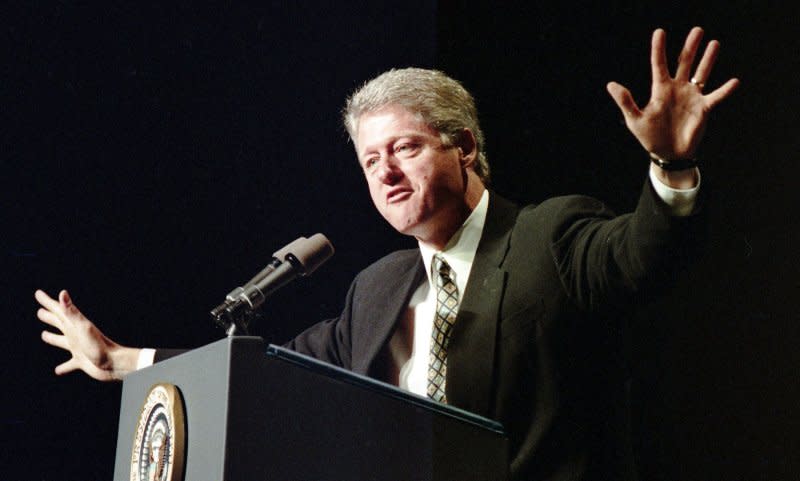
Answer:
(405, 226)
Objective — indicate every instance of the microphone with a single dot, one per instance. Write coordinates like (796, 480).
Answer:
(247, 291)
(301, 257)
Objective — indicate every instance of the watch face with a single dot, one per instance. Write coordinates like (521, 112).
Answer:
(158, 445)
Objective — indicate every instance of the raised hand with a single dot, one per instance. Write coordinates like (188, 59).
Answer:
(91, 351)
(672, 123)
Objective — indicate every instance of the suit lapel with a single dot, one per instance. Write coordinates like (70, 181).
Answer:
(471, 353)
(391, 299)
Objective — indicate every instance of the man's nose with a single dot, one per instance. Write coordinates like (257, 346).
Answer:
(388, 171)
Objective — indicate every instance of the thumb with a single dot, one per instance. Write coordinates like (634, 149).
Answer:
(624, 100)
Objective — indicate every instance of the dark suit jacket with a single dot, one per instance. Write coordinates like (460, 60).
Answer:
(535, 344)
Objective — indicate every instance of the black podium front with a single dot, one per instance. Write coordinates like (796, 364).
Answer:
(266, 413)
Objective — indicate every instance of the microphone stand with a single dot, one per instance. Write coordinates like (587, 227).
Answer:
(233, 317)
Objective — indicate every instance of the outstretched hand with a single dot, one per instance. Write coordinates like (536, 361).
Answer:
(672, 123)
(92, 352)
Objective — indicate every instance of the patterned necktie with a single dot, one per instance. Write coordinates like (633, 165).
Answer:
(446, 310)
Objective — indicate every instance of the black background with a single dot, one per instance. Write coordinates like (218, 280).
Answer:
(153, 157)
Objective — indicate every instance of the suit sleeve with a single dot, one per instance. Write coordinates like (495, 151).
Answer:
(329, 340)
(601, 258)
(164, 354)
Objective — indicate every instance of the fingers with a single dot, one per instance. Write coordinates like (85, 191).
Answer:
(55, 312)
(658, 56)
(623, 99)
(686, 58)
(56, 340)
(703, 71)
(67, 367)
(46, 301)
(49, 318)
(64, 299)
(685, 61)
(722, 92)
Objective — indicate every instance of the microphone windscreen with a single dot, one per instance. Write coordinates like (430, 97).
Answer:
(289, 248)
(313, 252)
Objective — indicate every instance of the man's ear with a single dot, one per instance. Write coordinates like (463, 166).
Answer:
(467, 148)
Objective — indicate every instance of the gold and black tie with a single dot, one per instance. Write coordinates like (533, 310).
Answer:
(446, 310)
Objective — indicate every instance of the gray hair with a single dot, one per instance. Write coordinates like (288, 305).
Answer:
(441, 102)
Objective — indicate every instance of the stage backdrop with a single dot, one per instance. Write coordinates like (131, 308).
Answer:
(714, 360)
(153, 157)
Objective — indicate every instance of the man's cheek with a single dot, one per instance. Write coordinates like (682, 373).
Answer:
(375, 198)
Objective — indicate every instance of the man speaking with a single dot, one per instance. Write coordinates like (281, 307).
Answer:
(504, 311)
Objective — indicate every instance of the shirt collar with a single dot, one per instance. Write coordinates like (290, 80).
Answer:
(459, 252)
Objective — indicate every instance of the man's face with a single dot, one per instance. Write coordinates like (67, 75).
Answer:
(416, 183)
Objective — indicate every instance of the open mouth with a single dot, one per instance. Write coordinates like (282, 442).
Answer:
(398, 194)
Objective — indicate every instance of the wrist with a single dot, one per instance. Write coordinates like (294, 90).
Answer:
(124, 360)
(680, 179)
(673, 165)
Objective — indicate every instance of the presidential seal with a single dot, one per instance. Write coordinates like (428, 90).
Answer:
(159, 440)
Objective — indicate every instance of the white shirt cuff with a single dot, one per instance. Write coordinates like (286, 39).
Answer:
(680, 202)
(146, 358)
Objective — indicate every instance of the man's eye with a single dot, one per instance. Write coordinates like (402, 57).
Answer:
(404, 148)
(370, 163)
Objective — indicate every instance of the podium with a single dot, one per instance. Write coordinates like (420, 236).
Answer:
(256, 412)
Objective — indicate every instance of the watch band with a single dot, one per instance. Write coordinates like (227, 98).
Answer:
(674, 164)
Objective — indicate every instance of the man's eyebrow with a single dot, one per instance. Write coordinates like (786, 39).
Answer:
(375, 147)
(367, 151)
(391, 140)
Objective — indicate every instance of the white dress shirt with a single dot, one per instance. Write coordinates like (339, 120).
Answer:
(417, 323)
